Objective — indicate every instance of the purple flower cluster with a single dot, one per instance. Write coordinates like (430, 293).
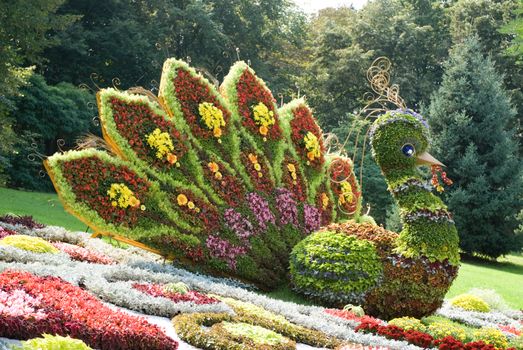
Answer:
(260, 208)
(312, 218)
(238, 224)
(286, 207)
(222, 249)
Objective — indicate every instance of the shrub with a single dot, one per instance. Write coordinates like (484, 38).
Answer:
(335, 268)
(491, 336)
(489, 296)
(408, 323)
(30, 243)
(53, 342)
(470, 302)
(442, 329)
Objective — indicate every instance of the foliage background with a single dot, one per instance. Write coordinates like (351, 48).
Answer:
(50, 47)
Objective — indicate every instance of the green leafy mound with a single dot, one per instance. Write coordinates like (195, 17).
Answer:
(29, 243)
(335, 268)
(53, 342)
(257, 334)
(470, 302)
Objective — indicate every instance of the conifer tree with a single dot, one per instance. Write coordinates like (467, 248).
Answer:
(470, 116)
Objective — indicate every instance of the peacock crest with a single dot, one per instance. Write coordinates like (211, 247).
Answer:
(220, 178)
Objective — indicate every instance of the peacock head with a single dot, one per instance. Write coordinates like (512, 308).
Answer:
(399, 140)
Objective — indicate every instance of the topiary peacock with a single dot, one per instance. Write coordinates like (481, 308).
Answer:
(223, 181)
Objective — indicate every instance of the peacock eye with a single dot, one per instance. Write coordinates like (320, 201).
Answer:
(408, 150)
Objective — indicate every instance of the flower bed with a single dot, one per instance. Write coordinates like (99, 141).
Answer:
(83, 254)
(157, 290)
(58, 307)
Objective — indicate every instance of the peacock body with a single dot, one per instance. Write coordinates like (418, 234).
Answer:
(223, 181)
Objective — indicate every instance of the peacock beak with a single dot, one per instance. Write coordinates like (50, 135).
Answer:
(426, 159)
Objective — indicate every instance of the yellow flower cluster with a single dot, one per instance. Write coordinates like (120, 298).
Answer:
(215, 169)
(264, 118)
(184, 201)
(324, 200)
(442, 329)
(121, 196)
(491, 336)
(212, 116)
(346, 195)
(292, 172)
(470, 302)
(254, 160)
(312, 145)
(162, 143)
(408, 323)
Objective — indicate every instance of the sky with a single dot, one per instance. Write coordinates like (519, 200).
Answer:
(313, 6)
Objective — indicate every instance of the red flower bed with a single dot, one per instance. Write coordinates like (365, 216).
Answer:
(302, 123)
(324, 204)
(341, 170)
(6, 232)
(69, 310)
(347, 315)
(250, 92)
(90, 179)
(135, 121)
(190, 92)
(199, 213)
(157, 290)
(421, 339)
(295, 185)
(83, 254)
(263, 183)
(228, 187)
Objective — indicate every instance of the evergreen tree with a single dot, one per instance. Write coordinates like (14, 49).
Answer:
(471, 116)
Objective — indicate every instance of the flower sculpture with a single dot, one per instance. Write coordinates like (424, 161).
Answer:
(223, 180)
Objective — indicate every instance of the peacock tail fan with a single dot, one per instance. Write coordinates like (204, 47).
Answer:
(221, 181)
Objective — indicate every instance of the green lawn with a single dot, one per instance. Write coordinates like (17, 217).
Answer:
(504, 276)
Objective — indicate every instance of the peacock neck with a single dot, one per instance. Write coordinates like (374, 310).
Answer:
(428, 227)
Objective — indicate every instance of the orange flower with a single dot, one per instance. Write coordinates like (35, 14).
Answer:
(310, 155)
(324, 200)
(134, 202)
(217, 132)
(264, 130)
(172, 158)
(182, 199)
(253, 158)
(214, 167)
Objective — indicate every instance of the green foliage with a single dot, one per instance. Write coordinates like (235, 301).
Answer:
(178, 287)
(517, 343)
(515, 27)
(408, 323)
(43, 115)
(471, 116)
(491, 336)
(470, 303)
(30, 243)
(52, 342)
(334, 268)
(256, 333)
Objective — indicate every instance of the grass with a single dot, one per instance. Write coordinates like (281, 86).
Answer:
(504, 276)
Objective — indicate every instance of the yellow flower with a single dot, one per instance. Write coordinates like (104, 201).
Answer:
(260, 175)
(312, 145)
(160, 142)
(172, 158)
(212, 116)
(291, 167)
(324, 200)
(190, 205)
(346, 193)
(122, 196)
(142, 207)
(257, 167)
(218, 175)
(263, 117)
(293, 176)
(182, 199)
(197, 209)
(253, 158)
(213, 166)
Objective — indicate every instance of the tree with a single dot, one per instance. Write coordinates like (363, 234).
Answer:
(25, 31)
(515, 28)
(43, 115)
(471, 115)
